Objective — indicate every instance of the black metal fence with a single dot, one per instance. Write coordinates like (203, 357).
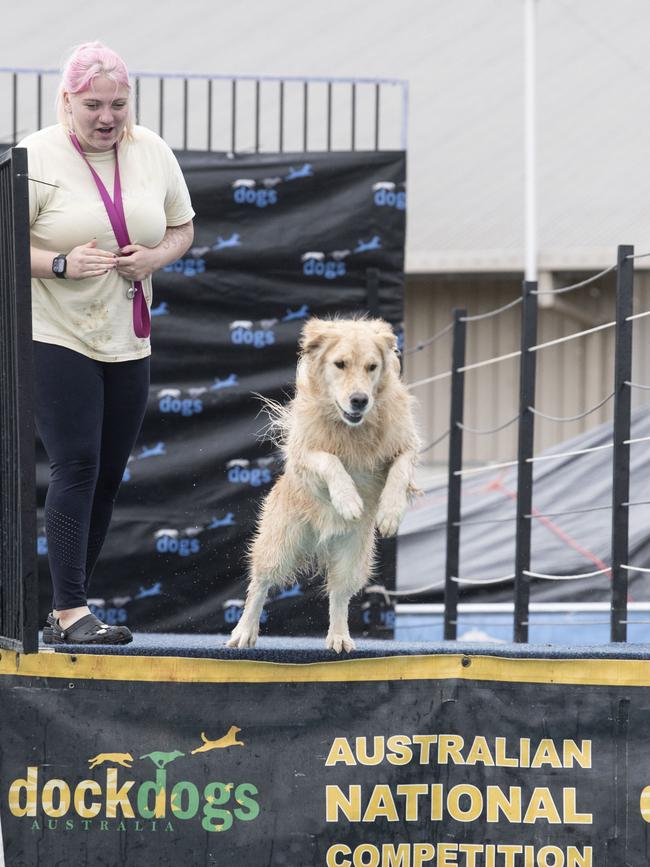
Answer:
(18, 571)
(234, 114)
(522, 576)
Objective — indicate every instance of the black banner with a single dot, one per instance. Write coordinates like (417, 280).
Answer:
(278, 238)
(406, 762)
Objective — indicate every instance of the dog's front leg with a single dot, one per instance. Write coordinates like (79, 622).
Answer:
(395, 496)
(342, 490)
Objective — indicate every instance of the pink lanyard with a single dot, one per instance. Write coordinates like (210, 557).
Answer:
(115, 210)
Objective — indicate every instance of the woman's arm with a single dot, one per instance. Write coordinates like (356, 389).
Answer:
(138, 262)
(82, 262)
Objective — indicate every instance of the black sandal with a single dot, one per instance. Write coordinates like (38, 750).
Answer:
(87, 630)
(47, 630)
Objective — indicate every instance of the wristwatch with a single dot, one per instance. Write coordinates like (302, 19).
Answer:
(59, 264)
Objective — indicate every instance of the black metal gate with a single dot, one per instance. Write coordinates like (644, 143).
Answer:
(18, 575)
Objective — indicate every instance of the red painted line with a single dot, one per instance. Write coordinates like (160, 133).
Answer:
(568, 540)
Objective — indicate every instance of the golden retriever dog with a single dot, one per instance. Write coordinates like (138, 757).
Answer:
(350, 448)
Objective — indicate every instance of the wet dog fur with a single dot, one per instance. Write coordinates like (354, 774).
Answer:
(350, 447)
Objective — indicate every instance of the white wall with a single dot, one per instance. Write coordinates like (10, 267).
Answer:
(571, 377)
(464, 61)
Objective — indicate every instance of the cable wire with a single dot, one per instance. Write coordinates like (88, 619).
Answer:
(569, 512)
(636, 385)
(487, 361)
(587, 331)
(586, 282)
(571, 336)
(491, 313)
(487, 468)
(568, 454)
(492, 430)
(564, 623)
(637, 316)
(481, 580)
(422, 344)
(437, 586)
(435, 378)
(572, 417)
(634, 568)
(636, 440)
(533, 460)
(435, 442)
(36, 181)
(464, 523)
(566, 577)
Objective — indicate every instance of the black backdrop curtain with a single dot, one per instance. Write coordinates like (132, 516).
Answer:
(278, 238)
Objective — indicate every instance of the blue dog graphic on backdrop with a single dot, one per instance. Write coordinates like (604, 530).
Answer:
(301, 313)
(233, 241)
(304, 172)
(373, 244)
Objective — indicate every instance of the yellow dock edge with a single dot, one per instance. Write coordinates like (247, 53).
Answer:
(578, 671)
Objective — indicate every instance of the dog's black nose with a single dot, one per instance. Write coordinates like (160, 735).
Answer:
(358, 401)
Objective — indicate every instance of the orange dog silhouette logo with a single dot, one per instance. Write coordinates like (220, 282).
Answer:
(228, 740)
(123, 759)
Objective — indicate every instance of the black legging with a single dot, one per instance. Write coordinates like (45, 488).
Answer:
(88, 414)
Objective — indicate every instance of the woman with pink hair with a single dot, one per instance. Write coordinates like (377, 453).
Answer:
(112, 207)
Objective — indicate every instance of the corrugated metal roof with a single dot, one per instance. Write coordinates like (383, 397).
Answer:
(464, 62)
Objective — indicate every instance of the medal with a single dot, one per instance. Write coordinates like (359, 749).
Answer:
(130, 292)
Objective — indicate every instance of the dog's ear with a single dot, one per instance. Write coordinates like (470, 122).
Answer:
(386, 334)
(314, 333)
(388, 344)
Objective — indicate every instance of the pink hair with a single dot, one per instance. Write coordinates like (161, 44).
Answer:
(85, 63)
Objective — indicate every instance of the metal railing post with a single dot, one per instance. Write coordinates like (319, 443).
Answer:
(454, 484)
(233, 117)
(372, 291)
(368, 124)
(14, 108)
(18, 570)
(161, 106)
(621, 451)
(526, 439)
(185, 112)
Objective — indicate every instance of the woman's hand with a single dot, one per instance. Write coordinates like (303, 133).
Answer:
(137, 262)
(87, 261)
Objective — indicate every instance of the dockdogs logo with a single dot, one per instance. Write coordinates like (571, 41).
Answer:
(117, 798)
(260, 333)
(318, 263)
(265, 192)
(240, 471)
(247, 192)
(189, 266)
(170, 541)
(387, 194)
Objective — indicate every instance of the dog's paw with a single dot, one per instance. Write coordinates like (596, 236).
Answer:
(347, 502)
(337, 642)
(243, 636)
(388, 521)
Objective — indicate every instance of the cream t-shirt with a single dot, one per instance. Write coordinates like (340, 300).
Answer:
(94, 316)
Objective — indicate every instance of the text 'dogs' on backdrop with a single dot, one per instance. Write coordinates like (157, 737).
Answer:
(278, 238)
